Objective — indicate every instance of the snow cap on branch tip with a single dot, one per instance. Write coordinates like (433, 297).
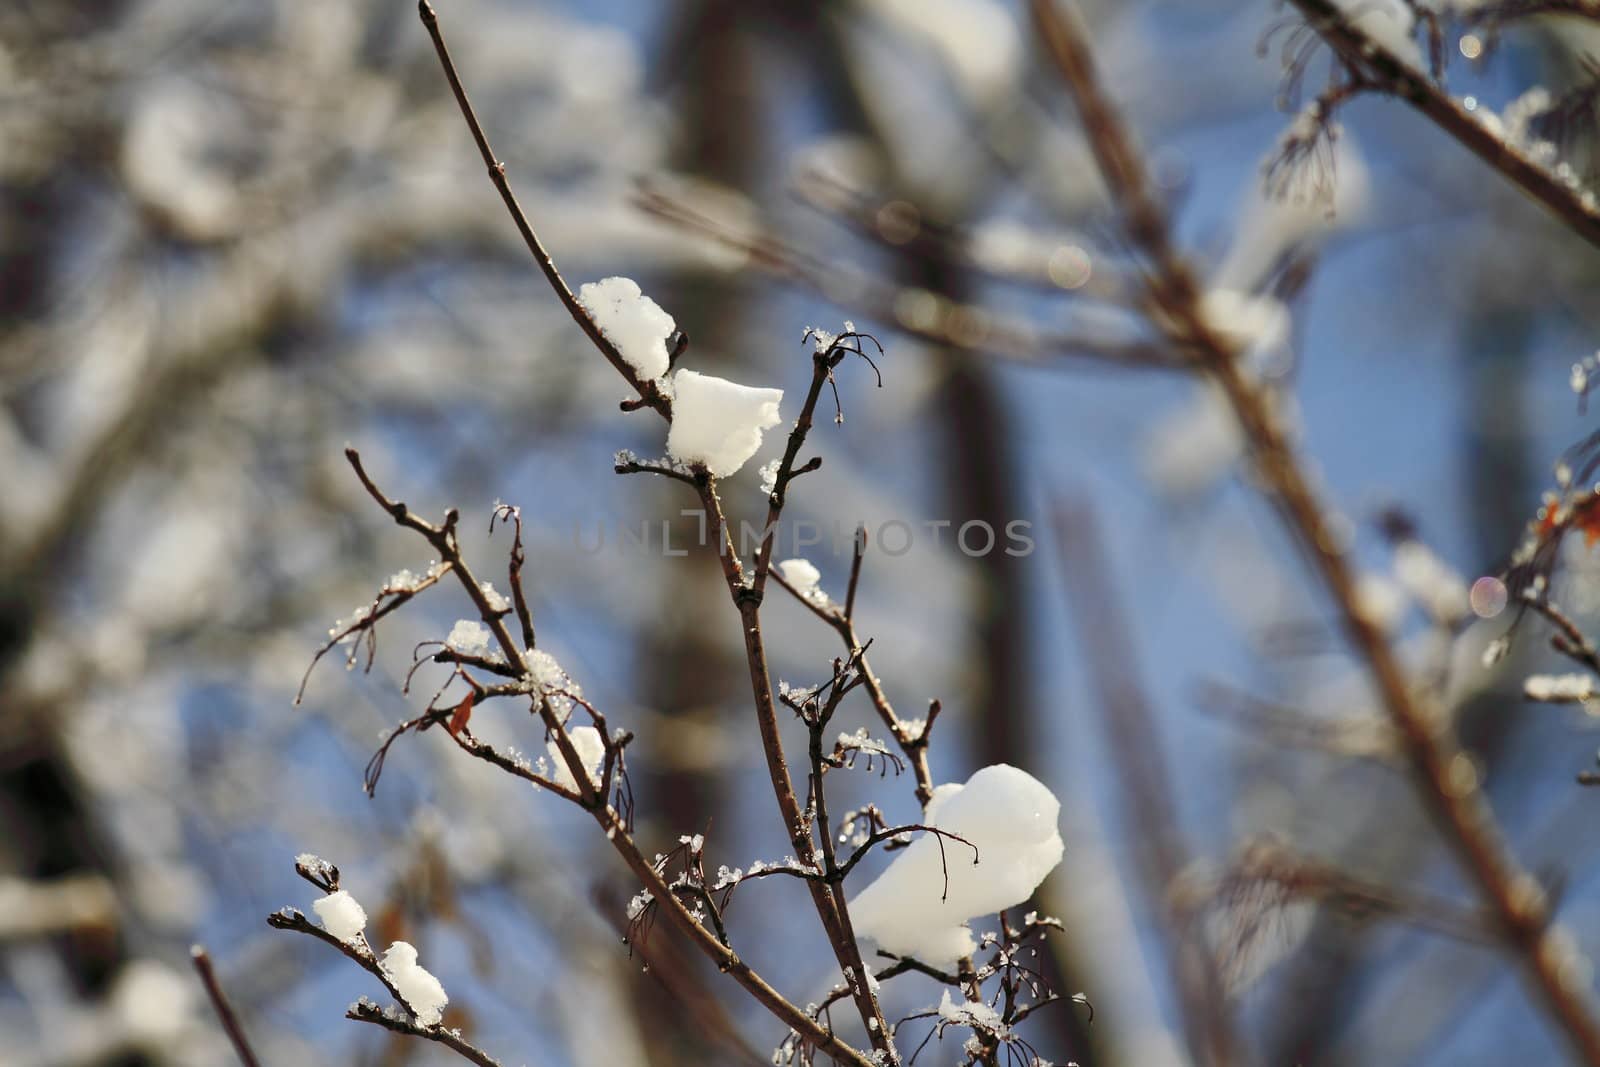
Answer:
(717, 422)
(631, 321)
(1010, 818)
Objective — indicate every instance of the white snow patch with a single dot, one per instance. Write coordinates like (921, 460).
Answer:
(1010, 817)
(1387, 24)
(805, 578)
(469, 637)
(717, 422)
(631, 321)
(1195, 445)
(553, 682)
(420, 990)
(152, 1002)
(1381, 601)
(341, 914)
(1518, 116)
(978, 40)
(1247, 322)
(769, 477)
(496, 600)
(977, 1015)
(1272, 222)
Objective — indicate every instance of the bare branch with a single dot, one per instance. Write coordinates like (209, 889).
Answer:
(224, 1010)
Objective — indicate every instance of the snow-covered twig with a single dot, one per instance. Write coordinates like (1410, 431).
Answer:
(584, 790)
(1461, 812)
(363, 626)
(1568, 639)
(648, 390)
(628, 463)
(912, 738)
(1390, 74)
(292, 919)
(507, 514)
(366, 1011)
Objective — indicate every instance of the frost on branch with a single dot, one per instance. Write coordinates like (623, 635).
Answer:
(497, 601)
(769, 477)
(1010, 817)
(631, 321)
(469, 637)
(423, 994)
(341, 914)
(973, 1014)
(717, 422)
(318, 871)
(553, 682)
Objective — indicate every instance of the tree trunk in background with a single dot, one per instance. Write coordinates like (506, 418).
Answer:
(686, 672)
(47, 824)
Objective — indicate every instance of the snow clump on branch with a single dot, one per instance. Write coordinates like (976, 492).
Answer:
(341, 914)
(632, 322)
(717, 422)
(419, 989)
(1010, 817)
(804, 576)
(1389, 24)
(468, 637)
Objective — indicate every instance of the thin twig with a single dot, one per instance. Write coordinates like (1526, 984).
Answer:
(224, 1010)
(646, 388)
(858, 553)
(365, 1011)
(843, 624)
(747, 596)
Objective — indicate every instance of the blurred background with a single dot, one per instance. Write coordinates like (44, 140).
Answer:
(236, 236)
